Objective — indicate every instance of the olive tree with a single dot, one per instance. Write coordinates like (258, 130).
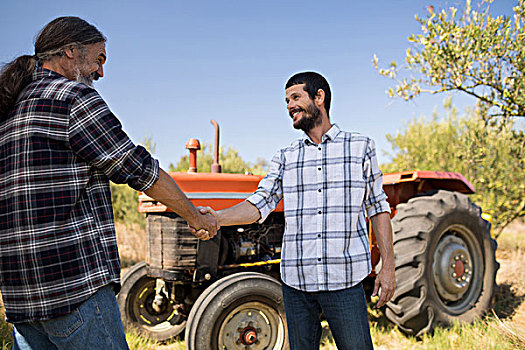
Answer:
(490, 155)
(473, 53)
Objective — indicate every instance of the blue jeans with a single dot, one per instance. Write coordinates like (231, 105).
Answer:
(345, 311)
(95, 324)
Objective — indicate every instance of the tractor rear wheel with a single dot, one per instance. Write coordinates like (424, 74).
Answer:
(135, 301)
(445, 263)
(240, 311)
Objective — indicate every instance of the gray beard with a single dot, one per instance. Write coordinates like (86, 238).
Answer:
(81, 78)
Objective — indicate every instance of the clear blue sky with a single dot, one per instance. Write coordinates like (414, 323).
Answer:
(174, 65)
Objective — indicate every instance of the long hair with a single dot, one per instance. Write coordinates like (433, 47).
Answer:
(56, 36)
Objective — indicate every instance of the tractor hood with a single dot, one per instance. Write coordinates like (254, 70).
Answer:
(221, 191)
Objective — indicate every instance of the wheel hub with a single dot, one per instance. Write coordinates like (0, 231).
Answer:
(153, 314)
(459, 269)
(248, 336)
(251, 326)
(452, 268)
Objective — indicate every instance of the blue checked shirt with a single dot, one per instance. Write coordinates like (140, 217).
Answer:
(59, 147)
(327, 189)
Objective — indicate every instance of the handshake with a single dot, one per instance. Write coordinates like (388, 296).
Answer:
(206, 225)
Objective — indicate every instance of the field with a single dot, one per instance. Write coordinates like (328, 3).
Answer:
(503, 328)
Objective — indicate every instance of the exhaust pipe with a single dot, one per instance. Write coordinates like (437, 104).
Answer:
(216, 167)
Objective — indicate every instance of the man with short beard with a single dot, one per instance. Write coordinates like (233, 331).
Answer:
(59, 147)
(328, 179)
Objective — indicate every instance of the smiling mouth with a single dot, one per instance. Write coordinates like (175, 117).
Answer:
(294, 112)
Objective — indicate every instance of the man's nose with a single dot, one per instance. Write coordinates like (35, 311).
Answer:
(100, 71)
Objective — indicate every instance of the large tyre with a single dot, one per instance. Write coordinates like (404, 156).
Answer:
(445, 263)
(240, 311)
(135, 303)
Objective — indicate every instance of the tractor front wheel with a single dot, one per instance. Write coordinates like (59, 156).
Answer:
(136, 303)
(445, 263)
(241, 311)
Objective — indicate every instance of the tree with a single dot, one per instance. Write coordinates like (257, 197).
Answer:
(230, 160)
(149, 144)
(490, 155)
(475, 53)
(125, 204)
(125, 200)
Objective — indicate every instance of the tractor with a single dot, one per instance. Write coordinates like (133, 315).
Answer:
(225, 293)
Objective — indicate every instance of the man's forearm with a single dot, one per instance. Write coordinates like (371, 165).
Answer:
(241, 214)
(166, 191)
(382, 228)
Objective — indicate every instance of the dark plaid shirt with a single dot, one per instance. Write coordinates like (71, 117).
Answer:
(58, 148)
(327, 189)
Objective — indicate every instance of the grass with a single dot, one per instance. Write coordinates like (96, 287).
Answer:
(503, 328)
(6, 330)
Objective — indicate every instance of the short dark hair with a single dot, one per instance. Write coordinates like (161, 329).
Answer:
(313, 82)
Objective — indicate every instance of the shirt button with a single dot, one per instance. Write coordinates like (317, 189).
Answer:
(319, 168)
(319, 235)
(319, 212)
(319, 148)
(318, 259)
(319, 190)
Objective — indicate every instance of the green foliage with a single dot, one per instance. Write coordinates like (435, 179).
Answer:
(483, 56)
(230, 160)
(149, 144)
(125, 200)
(475, 53)
(125, 204)
(490, 155)
(6, 330)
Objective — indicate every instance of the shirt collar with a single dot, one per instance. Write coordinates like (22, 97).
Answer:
(40, 73)
(331, 134)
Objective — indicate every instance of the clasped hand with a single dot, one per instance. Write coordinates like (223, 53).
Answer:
(209, 224)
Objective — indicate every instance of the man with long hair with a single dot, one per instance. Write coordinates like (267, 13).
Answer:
(329, 180)
(59, 147)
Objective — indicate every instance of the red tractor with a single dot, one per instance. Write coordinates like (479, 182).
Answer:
(225, 293)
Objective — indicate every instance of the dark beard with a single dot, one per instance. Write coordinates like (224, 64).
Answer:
(310, 119)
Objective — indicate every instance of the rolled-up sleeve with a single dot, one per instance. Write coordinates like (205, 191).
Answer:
(96, 136)
(375, 197)
(270, 190)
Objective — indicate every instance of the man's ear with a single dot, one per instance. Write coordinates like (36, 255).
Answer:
(319, 98)
(70, 52)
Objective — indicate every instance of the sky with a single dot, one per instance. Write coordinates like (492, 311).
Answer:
(174, 65)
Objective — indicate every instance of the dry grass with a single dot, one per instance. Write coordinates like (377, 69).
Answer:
(504, 328)
(131, 240)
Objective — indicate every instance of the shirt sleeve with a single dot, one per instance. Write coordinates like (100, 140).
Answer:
(96, 136)
(270, 190)
(375, 197)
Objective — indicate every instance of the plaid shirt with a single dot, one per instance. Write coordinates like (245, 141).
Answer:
(326, 189)
(58, 148)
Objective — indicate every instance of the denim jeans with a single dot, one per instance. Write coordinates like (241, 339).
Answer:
(95, 324)
(345, 311)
